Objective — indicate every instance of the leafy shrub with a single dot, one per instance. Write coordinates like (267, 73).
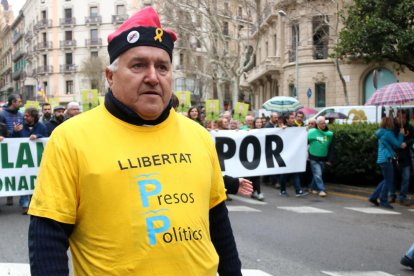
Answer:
(356, 154)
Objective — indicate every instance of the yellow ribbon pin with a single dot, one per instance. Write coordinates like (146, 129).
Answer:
(159, 32)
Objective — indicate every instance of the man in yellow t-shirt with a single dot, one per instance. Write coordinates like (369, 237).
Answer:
(132, 187)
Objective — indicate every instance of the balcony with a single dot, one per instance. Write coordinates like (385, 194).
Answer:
(320, 52)
(119, 18)
(28, 36)
(29, 55)
(18, 74)
(68, 68)
(67, 44)
(43, 70)
(93, 20)
(67, 22)
(18, 54)
(43, 24)
(43, 46)
(96, 42)
(270, 67)
(16, 36)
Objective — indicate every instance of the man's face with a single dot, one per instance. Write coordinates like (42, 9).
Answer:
(249, 121)
(291, 120)
(16, 104)
(321, 123)
(73, 111)
(28, 119)
(143, 81)
(59, 115)
(274, 118)
(299, 117)
(47, 111)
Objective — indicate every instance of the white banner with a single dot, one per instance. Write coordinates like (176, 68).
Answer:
(242, 153)
(265, 151)
(19, 162)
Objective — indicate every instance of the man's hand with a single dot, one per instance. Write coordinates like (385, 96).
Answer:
(33, 137)
(1, 138)
(245, 187)
(17, 127)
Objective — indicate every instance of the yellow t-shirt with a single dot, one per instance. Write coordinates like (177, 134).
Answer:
(139, 196)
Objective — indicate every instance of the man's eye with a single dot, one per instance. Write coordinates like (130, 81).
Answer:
(162, 68)
(138, 65)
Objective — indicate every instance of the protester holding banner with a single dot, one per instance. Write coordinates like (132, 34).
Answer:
(290, 122)
(273, 122)
(11, 117)
(33, 129)
(153, 204)
(234, 124)
(321, 152)
(257, 193)
(11, 113)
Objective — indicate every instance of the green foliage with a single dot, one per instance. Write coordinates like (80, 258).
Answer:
(378, 30)
(356, 154)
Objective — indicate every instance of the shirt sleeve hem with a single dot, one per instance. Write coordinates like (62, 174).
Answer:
(52, 215)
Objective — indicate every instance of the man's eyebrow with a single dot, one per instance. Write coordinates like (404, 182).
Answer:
(145, 59)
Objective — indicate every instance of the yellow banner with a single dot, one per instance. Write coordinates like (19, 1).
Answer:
(184, 98)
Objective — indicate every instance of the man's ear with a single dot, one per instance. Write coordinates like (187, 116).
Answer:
(109, 74)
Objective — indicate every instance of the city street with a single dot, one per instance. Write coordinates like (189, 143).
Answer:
(336, 235)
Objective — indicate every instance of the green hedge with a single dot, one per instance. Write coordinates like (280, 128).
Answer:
(356, 154)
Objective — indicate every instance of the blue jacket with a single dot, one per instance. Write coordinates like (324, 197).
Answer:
(387, 143)
(11, 117)
(38, 129)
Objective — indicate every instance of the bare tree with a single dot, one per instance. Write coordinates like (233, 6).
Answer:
(93, 69)
(211, 40)
(331, 32)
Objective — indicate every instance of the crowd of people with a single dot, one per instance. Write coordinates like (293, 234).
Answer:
(320, 146)
(32, 123)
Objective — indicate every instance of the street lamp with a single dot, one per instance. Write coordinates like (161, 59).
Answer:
(283, 13)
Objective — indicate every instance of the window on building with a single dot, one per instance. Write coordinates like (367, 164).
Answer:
(44, 37)
(94, 54)
(45, 61)
(45, 87)
(181, 59)
(320, 95)
(68, 13)
(180, 84)
(93, 11)
(275, 42)
(226, 7)
(120, 9)
(240, 11)
(292, 90)
(68, 35)
(69, 87)
(94, 35)
(68, 58)
(226, 28)
(43, 14)
(266, 49)
(320, 26)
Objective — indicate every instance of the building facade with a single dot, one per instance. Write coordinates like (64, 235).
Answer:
(231, 50)
(309, 31)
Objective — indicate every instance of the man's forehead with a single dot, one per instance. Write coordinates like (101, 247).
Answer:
(142, 53)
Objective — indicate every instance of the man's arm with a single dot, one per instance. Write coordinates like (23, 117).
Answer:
(48, 245)
(223, 240)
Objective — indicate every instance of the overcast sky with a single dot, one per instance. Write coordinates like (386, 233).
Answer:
(17, 5)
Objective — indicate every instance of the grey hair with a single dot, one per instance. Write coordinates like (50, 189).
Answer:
(114, 65)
